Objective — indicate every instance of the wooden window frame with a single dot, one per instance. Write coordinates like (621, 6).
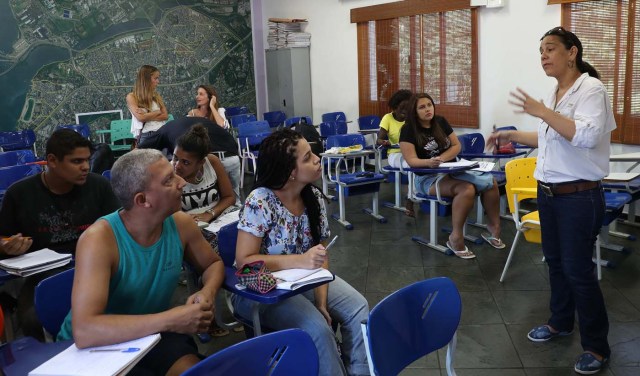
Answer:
(458, 115)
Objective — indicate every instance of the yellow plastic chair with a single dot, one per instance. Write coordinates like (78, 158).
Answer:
(521, 185)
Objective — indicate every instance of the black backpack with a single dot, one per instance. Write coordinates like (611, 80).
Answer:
(310, 133)
(101, 159)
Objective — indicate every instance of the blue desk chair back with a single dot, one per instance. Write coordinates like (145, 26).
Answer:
(369, 122)
(83, 129)
(275, 118)
(227, 240)
(430, 312)
(11, 174)
(233, 111)
(53, 300)
(334, 116)
(17, 140)
(296, 120)
(16, 157)
(236, 120)
(288, 352)
(332, 128)
(471, 143)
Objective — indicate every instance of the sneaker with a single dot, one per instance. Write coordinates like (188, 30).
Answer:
(587, 364)
(543, 333)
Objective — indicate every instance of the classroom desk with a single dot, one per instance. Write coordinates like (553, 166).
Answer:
(325, 162)
(369, 131)
(432, 242)
(627, 157)
(19, 357)
(274, 296)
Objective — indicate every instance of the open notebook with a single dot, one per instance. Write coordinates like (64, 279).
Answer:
(291, 279)
(97, 361)
(34, 262)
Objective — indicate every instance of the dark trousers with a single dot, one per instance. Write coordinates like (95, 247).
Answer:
(570, 224)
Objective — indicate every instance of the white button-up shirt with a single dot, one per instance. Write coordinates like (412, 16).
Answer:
(587, 155)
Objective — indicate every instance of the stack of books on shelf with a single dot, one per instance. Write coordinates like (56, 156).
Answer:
(34, 262)
(286, 32)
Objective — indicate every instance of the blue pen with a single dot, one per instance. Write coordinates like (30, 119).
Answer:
(127, 350)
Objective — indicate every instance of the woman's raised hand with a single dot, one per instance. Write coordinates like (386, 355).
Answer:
(212, 102)
(526, 103)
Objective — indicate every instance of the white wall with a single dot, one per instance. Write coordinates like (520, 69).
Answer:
(509, 57)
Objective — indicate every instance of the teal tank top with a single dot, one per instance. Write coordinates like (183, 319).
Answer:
(146, 276)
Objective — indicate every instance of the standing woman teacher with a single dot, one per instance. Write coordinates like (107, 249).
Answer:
(573, 141)
(145, 104)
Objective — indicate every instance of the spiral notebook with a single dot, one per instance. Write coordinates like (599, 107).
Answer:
(117, 359)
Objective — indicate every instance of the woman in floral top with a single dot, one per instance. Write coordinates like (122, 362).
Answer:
(284, 223)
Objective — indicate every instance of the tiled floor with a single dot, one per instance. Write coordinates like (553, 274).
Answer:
(377, 259)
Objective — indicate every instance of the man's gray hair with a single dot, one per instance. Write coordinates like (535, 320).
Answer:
(130, 174)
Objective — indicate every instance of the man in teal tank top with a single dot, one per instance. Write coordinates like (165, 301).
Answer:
(128, 264)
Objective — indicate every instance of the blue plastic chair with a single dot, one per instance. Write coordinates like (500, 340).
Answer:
(288, 352)
(295, 120)
(107, 174)
(334, 116)
(332, 128)
(353, 183)
(227, 240)
(236, 120)
(16, 157)
(17, 140)
(250, 135)
(52, 300)
(430, 313)
(369, 122)
(233, 111)
(275, 118)
(11, 174)
(83, 129)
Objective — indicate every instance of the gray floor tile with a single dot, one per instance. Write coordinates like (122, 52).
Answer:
(522, 307)
(624, 371)
(466, 277)
(478, 308)
(519, 277)
(395, 255)
(624, 340)
(565, 371)
(390, 279)
(619, 308)
(483, 346)
(486, 372)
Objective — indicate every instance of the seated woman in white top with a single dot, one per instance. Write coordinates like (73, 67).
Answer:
(145, 104)
(207, 106)
(208, 192)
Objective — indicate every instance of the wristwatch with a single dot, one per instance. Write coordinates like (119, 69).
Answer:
(212, 211)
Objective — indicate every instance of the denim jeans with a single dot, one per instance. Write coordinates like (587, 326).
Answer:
(570, 224)
(345, 305)
(231, 165)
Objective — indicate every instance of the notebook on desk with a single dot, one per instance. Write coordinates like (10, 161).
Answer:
(292, 279)
(95, 361)
(223, 220)
(34, 262)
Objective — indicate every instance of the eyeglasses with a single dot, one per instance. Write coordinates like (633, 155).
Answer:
(555, 31)
(568, 36)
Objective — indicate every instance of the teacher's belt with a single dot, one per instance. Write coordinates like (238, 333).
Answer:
(551, 189)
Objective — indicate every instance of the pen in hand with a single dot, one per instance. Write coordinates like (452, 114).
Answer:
(331, 243)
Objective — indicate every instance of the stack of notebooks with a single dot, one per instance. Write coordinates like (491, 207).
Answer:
(285, 33)
(34, 262)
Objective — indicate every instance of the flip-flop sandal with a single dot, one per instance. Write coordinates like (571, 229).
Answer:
(465, 254)
(218, 332)
(409, 213)
(492, 240)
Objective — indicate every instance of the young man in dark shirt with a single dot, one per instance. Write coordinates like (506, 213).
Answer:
(53, 208)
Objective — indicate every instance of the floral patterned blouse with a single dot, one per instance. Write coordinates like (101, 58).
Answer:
(282, 233)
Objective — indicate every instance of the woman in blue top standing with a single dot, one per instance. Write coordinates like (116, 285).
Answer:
(284, 223)
(573, 140)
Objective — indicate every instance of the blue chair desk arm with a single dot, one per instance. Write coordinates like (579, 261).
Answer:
(491, 156)
(272, 297)
(19, 357)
